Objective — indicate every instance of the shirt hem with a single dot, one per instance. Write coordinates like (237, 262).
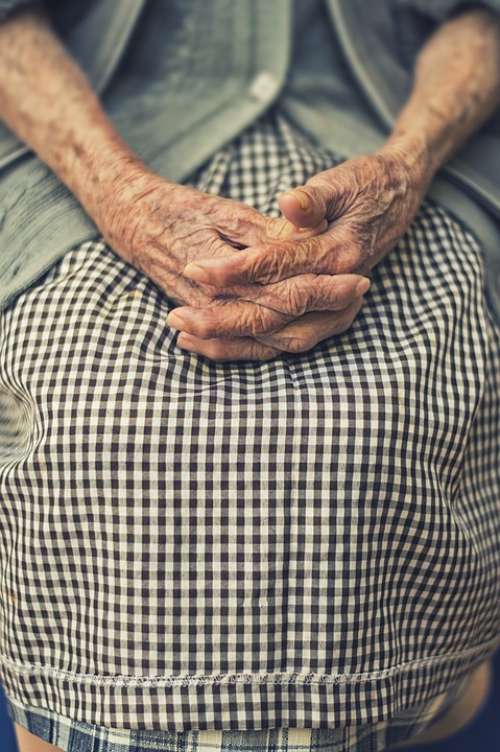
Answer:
(208, 702)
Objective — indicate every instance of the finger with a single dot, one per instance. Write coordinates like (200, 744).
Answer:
(220, 349)
(244, 226)
(308, 292)
(230, 318)
(302, 207)
(305, 333)
(280, 228)
(156, 263)
(328, 253)
(217, 268)
(233, 318)
(308, 204)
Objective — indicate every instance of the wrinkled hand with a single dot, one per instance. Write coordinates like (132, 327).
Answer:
(301, 335)
(160, 227)
(368, 203)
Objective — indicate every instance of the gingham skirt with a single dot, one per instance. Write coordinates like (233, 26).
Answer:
(311, 542)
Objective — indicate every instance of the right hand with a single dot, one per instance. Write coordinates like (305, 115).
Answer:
(159, 227)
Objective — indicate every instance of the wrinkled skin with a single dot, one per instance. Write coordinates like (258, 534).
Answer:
(368, 203)
(161, 227)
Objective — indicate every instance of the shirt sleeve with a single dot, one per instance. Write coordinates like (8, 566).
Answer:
(441, 10)
(9, 6)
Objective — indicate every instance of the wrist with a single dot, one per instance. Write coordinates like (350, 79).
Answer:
(416, 156)
(113, 192)
(129, 195)
(99, 182)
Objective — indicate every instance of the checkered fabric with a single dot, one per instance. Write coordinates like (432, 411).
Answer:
(75, 736)
(308, 542)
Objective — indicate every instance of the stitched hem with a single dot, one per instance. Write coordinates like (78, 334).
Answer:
(253, 678)
(198, 702)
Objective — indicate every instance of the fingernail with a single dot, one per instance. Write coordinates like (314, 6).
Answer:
(303, 198)
(362, 287)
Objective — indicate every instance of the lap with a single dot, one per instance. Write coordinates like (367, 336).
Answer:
(365, 439)
(88, 345)
(353, 488)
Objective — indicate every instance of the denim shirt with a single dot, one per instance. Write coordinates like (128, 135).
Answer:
(181, 78)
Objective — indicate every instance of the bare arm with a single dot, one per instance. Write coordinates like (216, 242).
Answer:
(370, 201)
(155, 224)
(456, 89)
(47, 101)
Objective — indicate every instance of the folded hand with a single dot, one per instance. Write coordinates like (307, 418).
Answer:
(367, 204)
(161, 227)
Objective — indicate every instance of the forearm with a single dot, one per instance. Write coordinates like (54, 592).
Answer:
(456, 89)
(47, 101)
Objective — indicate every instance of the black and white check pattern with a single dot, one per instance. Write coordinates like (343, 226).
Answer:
(75, 736)
(313, 541)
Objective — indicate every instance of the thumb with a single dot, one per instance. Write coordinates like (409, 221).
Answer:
(307, 205)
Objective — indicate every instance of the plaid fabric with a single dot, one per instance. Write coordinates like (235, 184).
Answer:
(310, 542)
(74, 736)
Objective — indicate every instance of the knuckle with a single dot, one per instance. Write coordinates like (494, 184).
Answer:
(347, 258)
(257, 320)
(354, 253)
(341, 252)
(298, 297)
(326, 292)
(270, 265)
(324, 254)
(353, 243)
(205, 329)
(276, 263)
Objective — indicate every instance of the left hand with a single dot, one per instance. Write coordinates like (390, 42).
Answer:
(368, 202)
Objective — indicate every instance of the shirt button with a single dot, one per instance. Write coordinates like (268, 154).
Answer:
(263, 86)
